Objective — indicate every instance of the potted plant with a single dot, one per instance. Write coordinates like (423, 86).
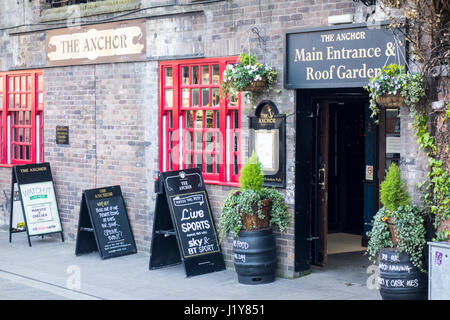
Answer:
(249, 213)
(393, 87)
(397, 241)
(247, 75)
(393, 193)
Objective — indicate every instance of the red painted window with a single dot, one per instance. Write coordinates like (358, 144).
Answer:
(21, 109)
(197, 127)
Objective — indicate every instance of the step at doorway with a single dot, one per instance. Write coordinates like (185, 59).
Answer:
(344, 242)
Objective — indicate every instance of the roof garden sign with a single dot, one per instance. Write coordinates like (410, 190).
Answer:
(342, 56)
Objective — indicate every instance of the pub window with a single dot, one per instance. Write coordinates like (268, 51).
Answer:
(392, 137)
(197, 127)
(21, 109)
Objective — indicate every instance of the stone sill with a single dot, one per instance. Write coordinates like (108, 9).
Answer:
(88, 9)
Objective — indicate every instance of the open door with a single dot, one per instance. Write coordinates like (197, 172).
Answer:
(335, 173)
(311, 182)
(322, 181)
(305, 165)
(319, 221)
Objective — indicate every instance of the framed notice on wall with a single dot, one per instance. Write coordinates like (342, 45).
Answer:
(268, 140)
(266, 147)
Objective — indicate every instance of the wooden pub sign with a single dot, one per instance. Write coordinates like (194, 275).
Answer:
(122, 41)
(34, 208)
(183, 227)
(338, 57)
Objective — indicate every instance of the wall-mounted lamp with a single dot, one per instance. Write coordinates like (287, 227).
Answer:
(367, 2)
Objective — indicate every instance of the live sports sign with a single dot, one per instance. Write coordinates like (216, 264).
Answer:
(101, 43)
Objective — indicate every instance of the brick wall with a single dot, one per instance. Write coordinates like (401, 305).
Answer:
(113, 137)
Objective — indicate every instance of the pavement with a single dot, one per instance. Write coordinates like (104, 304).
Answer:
(49, 270)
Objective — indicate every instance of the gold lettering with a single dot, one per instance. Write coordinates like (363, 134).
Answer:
(344, 54)
(309, 75)
(103, 195)
(303, 55)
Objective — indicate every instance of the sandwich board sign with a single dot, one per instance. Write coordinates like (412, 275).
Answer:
(183, 227)
(34, 208)
(103, 224)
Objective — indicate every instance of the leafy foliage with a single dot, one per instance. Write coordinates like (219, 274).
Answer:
(393, 191)
(410, 229)
(238, 76)
(379, 235)
(250, 194)
(411, 233)
(279, 215)
(393, 79)
(426, 30)
(436, 190)
(408, 220)
(252, 177)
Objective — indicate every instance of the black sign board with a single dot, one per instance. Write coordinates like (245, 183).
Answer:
(33, 202)
(339, 56)
(103, 224)
(268, 140)
(183, 228)
(62, 135)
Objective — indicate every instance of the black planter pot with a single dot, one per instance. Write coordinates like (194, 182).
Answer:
(255, 259)
(399, 278)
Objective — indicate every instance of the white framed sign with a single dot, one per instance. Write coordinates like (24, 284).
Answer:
(266, 144)
(35, 202)
(41, 210)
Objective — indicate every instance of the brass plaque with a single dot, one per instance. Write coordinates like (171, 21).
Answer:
(62, 135)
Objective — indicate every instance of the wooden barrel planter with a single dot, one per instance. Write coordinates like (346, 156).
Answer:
(399, 278)
(255, 258)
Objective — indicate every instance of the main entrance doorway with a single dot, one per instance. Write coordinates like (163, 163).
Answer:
(335, 162)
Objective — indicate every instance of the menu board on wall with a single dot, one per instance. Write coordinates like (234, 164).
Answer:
(103, 224)
(39, 208)
(268, 140)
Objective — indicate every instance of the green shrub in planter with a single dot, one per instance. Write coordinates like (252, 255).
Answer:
(249, 200)
(408, 221)
(393, 190)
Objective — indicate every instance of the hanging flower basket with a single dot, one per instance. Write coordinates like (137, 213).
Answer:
(390, 100)
(394, 87)
(247, 75)
(256, 85)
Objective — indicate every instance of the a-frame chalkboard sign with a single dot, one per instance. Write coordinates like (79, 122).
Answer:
(33, 199)
(103, 224)
(183, 226)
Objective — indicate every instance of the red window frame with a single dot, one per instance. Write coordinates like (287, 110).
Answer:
(192, 111)
(21, 114)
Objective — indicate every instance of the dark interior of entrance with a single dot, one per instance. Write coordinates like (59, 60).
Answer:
(346, 167)
(336, 188)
